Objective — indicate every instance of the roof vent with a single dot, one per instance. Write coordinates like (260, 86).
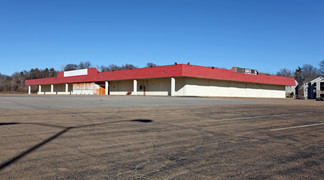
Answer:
(245, 70)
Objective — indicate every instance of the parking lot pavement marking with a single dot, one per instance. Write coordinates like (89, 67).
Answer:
(295, 127)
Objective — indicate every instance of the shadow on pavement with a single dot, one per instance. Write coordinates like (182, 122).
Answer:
(142, 120)
(65, 129)
(4, 124)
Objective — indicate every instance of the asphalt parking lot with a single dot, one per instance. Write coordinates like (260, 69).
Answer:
(97, 137)
(46, 102)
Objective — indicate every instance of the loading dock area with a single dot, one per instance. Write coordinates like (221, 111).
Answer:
(136, 137)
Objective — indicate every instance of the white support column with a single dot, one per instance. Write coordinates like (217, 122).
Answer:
(172, 86)
(305, 87)
(93, 88)
(66, 88)
(39, 89)
(106, 88)
(134, 87)
(52, 88)
(318, 88)
(29, 89)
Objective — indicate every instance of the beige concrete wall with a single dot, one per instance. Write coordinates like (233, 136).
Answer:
(253, 90)
(183, 87)
(217, 87)
(153, 93)
(46, 88)
(156, 87)
(64, 93)
(123, 86)
(143, 83)
(118, 92)
(273, 91)
(206, 87)
(196, 87)
(179, 86)
(59, 87)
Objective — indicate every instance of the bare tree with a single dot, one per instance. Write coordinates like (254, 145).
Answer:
(285, 72)
(114, 67)
(18, 82)
(298, 75)
(70, 67)
(52, 72)
(34, 73)
(309, 72)
(150, 64)
(4, 79)
(266, 73)
(128, 66)
(85, 65)
(104, 68)
(321, 64)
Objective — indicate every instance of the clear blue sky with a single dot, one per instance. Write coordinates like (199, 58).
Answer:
(262, 34)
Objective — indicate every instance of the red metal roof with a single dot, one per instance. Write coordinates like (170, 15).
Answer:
(180, 70)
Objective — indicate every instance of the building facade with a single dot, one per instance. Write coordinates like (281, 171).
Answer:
(291, 91)
(314, 89)
(171, 80)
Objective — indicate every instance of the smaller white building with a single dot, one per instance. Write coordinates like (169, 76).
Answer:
(314, 88)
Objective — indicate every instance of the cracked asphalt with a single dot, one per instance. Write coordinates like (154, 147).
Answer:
(98, 137)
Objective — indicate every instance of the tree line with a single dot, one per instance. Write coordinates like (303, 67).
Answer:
(303, 73)
(17, 81)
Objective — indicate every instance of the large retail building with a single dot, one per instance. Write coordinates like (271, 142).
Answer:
(171, 80)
